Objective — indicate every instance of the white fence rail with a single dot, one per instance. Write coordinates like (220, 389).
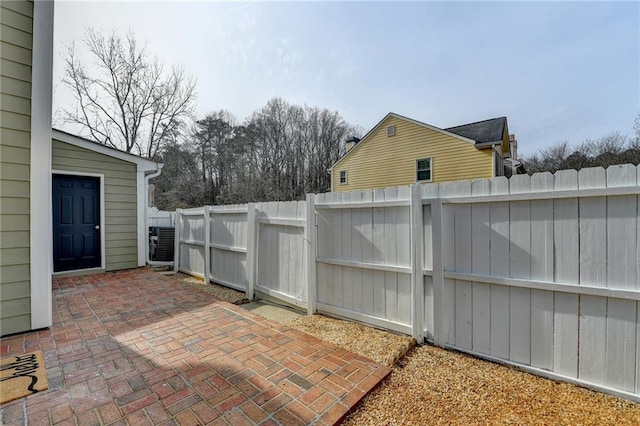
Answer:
(542, 272)
(157, 217)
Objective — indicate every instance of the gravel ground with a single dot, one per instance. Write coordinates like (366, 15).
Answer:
(434, 386)
(381, 346)
(224, 293)
(430, 385)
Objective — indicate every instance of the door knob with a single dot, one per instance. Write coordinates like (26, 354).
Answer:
(97, 226)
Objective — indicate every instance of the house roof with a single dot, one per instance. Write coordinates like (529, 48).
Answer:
(483, 132)
(393, 114)
(143, 164)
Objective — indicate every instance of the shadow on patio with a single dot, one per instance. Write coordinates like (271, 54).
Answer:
(135, 347)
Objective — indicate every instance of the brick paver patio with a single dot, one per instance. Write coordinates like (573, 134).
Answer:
(135, 347)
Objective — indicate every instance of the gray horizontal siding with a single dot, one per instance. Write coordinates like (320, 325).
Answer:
(15, 222)
(22, 7)
(14, 239)
(14, 19)
(15, 53)
(9, 137)
(121, 236)
(16, 43)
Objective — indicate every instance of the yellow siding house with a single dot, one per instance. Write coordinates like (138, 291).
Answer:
(402, 151)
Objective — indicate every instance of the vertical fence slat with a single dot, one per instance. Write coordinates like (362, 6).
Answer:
(207, 244)
(310, 232)
(417, 279)
(336, 252)
(350, 247)
(593, 272)
(439, 320)
(542, 269)
(566, 251)
(403, 229)
(462, 260)
(429, 191)
(448, 263)
(323, 247)
(176, 241)
(403, 244)
(520, 267)
(481, 264)
(622, 250)
(364, 298)
(272, 278)
(621, 344)
(379, 255)
(284, 244)
(391, 256)
(621, 273)
(499, 267)
(251, 250)
(291, 246)
(298, 255)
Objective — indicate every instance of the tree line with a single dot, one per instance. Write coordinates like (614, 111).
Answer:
(613, 148)
(280, 152)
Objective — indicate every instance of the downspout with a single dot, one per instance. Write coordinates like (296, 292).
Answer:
(146, 217)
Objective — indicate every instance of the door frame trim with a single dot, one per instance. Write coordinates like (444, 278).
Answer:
(40, 252)
(103, 260)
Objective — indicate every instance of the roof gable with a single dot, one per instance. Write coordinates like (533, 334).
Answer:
(142, 164)
(366, 137)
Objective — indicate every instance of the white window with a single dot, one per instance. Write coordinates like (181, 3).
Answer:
(343, 177)
(424, 170)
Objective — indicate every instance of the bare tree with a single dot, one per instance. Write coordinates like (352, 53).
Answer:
(125, 99)
(296, 146)
(634, 142)
(214, 140)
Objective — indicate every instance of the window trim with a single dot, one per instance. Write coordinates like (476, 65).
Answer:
(430, 169)
(346, 179)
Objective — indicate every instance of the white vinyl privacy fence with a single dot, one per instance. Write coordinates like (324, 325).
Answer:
(540, 271)
(157, 217)
(211, 242)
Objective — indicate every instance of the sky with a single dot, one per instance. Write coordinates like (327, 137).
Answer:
(559, 71)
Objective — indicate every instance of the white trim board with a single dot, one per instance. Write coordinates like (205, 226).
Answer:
(41, 253)
(103, 251)
(142, 202)
(144, 165)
